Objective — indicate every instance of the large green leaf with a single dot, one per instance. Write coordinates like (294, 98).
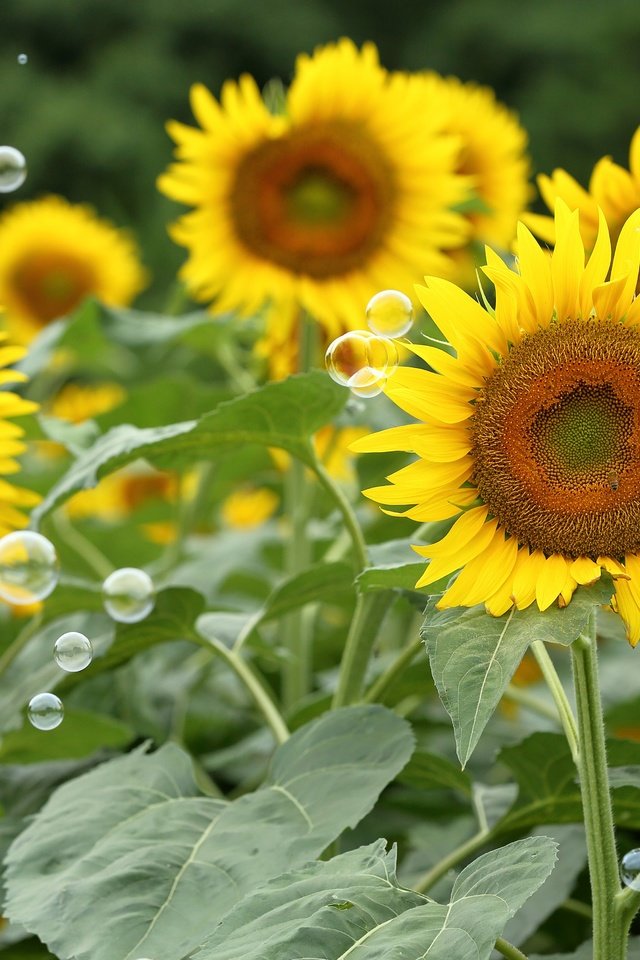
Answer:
(283, 415)
(81, 734)
(474, 655)
(352, 907)
(548, 791)
(116, 863)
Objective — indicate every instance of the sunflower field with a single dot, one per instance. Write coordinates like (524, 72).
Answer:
(319, 481)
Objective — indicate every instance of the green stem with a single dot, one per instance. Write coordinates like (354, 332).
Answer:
(528, 700)
(625, 907)
(83, 547)
(378, 689)
(297, 640)
(253, 684)
(508, 950)
(578, 907)
(609, 935)
(29, 630)
(361, 559)
(565, 713)
(367, 616)
(466, 849)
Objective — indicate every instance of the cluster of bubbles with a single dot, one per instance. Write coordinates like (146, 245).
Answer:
(13, 169)
(29, 572)
(363, 360)
(630, 869)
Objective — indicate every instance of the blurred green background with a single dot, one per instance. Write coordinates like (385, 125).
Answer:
(88, 109)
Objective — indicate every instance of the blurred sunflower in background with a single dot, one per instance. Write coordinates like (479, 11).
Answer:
(612, 189)
(530, 434)
(493, 158)
(350, 188)
(53, 254)
(13, 499)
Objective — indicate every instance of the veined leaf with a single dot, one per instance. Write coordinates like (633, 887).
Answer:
(474, 655)
(283, 414)
(353, 908)
(115, 864)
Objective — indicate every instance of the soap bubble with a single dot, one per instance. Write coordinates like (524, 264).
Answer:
(128, 595)
(45, 711)
(13, 169)
(361, 355)
(73, 651)
(390, 313)
(630, 869)
(28, 567)
(22, 59)
(367, 383)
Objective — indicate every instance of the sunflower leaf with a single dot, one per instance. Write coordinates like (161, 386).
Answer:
(352, 907)
(143, 862)
(284, 415)
(474, 655)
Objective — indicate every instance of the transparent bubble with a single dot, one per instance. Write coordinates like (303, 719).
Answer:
(367, 383)
(22, 59)
(45, 711)
(630, 869)
(390, 313)
(13, 169)
(128, 595)
(352, 353)
(73, 651)
(28, 567)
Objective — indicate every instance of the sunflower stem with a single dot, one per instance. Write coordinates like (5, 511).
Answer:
(610, 925)
(395, 669)
(28, 631)
(363, 631)
(565, 713)
(86, 550)
(509, 951)
(296, 675)
(360, 555)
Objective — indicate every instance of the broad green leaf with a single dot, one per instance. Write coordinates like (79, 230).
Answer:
(323, 581)
(429, 771)
(319, 910)
(548, 791)
(391, 576)
(81, 734)
(306, 915)
(173, 618)
(474, 655)
(283, 414)
(135, 841)
(572, 856)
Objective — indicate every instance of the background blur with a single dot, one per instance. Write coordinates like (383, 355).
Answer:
(89, 106)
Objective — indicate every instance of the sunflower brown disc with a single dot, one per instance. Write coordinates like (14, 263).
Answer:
(316, 201)
(556, 440)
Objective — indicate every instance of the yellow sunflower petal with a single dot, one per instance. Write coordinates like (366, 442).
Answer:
(551, 579)
(480, 578)
(585, 571)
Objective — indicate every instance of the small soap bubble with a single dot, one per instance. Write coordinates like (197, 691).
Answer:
(28, 567)
(22, 59)
(367, 383)
(13, 169)
(630, 869)
(45, 711)
(390, 313)
(73, 651)
(357, 351)
(128, 595)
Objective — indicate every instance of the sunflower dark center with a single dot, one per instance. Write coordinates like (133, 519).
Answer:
(317, 201)
(51, 284)
(556, 440)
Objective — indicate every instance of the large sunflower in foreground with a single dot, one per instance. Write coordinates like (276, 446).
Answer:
(53, 254)
(612, 189)
(345, 192)
(13, 499)
(531, 432)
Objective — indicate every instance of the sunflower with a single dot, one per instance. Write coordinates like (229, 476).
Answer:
(493, 159)
(530, 434)
(612, 189)
(347, 190)
(13, 500)
(53, 254)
